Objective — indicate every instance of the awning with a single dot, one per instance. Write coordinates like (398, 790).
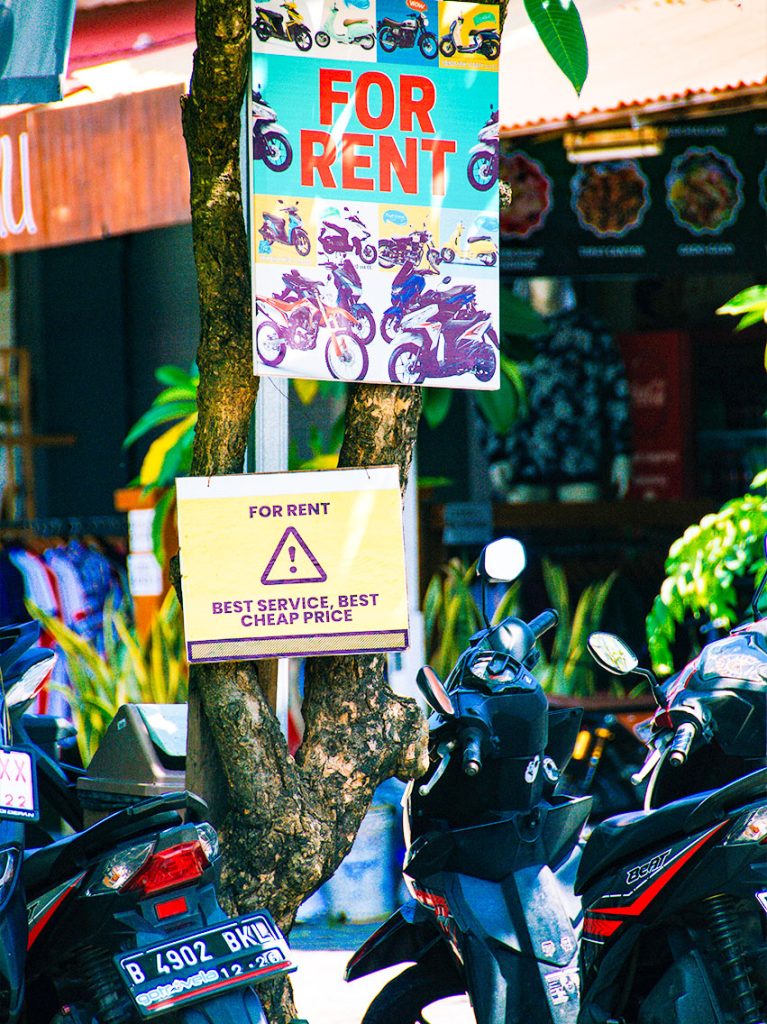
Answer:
(645, 56)
(110, 158)
(34, 42)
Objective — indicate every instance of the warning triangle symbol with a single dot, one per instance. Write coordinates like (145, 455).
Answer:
(293, 562)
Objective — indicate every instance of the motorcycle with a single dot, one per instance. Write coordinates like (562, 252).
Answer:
(348, 293)
(295, 319)
(437, 341)
(352, 30)
(394, 35)
(351, 237)
(412, 248)
(272, 25)
(484, 41)
(491, 844)
(122, 920)
(477, 249)
(673, 897)
(285, 228)
(269, 138)
(407, 293)
(482, 169)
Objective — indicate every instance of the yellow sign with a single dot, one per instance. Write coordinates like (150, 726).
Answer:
(291, 564)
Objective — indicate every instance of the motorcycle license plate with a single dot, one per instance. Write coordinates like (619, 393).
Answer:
(18, 785)
(202, 964)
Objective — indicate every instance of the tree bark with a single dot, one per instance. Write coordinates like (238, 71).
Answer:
(285, 823)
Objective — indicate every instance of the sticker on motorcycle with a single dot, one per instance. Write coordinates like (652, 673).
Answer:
(531, 771)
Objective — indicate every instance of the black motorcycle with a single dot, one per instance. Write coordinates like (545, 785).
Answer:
(122, 920)
(673, 898)
(492, 847)
(394, 35)
(272, 25)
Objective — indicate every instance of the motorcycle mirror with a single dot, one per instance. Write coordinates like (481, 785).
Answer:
(612, 653)
(502, 561)
(760, 589)
(446, 280)
(434, 693)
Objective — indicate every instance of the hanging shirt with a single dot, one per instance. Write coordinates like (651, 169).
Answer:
(577, 416)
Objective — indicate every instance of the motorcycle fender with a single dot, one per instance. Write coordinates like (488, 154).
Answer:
(481, 147)
(407, 935)
(277, 129)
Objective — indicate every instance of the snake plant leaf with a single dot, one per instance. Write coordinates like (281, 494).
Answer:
(307, 390)
(559, 27)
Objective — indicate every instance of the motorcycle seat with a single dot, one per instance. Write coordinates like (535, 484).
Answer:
(391, 22)
(479, 238)
(627, 835)
(354, 21)
(295, 280)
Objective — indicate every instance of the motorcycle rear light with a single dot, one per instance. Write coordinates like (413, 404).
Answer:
(171, 908)
(749, 828)
(32, 681)
(170, 869)
(116, 871)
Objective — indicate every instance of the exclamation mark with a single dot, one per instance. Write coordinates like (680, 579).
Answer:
(292, 553)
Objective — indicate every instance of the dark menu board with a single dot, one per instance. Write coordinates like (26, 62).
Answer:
(701, 205)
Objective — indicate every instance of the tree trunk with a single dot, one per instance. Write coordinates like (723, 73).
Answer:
(285, 823)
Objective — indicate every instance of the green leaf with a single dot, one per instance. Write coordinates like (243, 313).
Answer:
(558, 24)
(749, 298)
(175, 376)
(748, 319)
(436, 405)
(156, 415)
(518, 316)
(500, 408)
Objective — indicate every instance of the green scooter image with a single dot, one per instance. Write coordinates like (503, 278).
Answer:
(351, 29)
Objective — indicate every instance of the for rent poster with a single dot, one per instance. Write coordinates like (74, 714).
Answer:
(374, 212)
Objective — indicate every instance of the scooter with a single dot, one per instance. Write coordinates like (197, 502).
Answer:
(270, 142)
(295, 319)
(350, 30)
(122, 919)
(477, 249)
(673, 926)
(272, 25)
(407, 294)
(285, 228)
(348, 294)
(675, 896)
(438, 341)
(402, 35)
(415, 248)
(483, 41)
(482, 169)
(491, 845)
(349, 237)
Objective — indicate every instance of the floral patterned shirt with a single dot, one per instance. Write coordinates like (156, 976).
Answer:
(577, 417)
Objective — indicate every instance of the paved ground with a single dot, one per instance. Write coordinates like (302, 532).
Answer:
(321, 951)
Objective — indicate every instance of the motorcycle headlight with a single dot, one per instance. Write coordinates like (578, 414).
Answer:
(425, 22)
(748, 828)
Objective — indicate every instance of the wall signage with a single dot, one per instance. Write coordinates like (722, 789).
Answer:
(701, 205)
(292, 564)
(374, 201)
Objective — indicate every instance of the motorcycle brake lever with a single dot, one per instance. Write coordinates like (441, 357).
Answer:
(651, 760)
(444, 750)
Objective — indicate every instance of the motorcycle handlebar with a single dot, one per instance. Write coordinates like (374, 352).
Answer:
(544, 622)
(681, 744)
(472, 752)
